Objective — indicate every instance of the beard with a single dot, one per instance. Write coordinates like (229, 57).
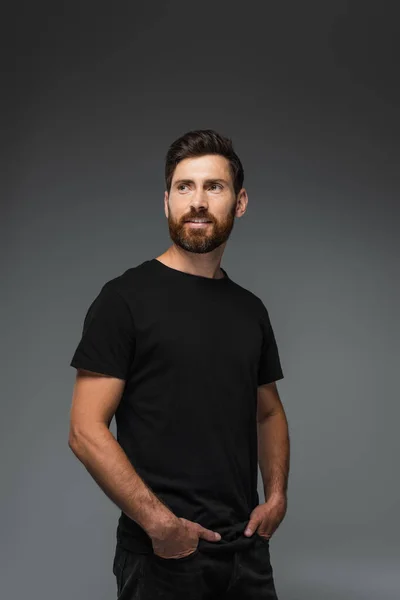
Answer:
(203, 239)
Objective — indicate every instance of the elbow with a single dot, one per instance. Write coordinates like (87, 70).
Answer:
(72, 444)
(83, 436)
(74, 440)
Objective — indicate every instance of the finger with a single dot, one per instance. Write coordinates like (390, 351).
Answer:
(208, 534)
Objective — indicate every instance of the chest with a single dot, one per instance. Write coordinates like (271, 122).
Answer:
(208, 334)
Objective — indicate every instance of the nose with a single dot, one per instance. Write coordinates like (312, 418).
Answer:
(199, 200)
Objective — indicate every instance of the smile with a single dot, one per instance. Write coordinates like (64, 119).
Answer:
(198, 222)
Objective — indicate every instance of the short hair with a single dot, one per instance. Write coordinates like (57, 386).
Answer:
(200, 142)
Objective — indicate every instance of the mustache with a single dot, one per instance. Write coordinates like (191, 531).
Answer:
(198, 216)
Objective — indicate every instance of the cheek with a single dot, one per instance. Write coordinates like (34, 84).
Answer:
(222, 216)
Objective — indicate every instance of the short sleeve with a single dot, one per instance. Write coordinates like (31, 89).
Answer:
(108, 340)
(269, 368)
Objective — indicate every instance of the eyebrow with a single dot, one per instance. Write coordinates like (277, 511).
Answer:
(218, 180)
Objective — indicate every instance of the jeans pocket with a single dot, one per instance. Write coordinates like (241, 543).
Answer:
(263, 538)
(188, 557)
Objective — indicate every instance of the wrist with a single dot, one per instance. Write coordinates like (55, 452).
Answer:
(275, 496)
(161, 524)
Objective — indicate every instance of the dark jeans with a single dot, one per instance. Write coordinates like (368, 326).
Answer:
(241, 575)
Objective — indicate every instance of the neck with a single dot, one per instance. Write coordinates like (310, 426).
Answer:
(206, 265)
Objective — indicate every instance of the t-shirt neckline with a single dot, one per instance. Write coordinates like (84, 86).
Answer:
(184, 274)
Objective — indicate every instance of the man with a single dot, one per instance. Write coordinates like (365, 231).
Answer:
(187, 361)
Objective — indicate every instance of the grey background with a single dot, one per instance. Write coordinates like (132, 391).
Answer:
(308, 91)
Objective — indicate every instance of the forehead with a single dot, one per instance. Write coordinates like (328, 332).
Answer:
(203, 167)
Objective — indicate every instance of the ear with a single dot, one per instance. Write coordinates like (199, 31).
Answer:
(241, 203)
(166, 209)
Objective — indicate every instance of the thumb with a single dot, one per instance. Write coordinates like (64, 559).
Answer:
(208, 534)
(251, 527)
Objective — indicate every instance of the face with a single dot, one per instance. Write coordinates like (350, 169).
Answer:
(202, 188)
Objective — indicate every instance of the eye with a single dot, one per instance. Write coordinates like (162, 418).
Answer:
(217, 184)
(181, 185)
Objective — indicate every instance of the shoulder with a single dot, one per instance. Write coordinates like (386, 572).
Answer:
(253, 301)
(126, 282)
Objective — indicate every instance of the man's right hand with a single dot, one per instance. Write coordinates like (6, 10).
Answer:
(180, 538)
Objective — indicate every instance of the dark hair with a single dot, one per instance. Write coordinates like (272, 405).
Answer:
(198, 143)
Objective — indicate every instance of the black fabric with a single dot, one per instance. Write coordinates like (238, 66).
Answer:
(192, 351)
(243, 575)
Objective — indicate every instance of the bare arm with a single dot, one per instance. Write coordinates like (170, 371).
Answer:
(94, 402)
(273, 441)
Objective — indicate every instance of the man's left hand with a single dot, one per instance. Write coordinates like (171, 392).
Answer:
(266, 518)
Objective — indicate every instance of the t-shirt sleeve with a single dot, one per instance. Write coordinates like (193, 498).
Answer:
(269, 368)
(108, 341)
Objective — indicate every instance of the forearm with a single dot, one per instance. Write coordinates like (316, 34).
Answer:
(274, 453)
(110, 467)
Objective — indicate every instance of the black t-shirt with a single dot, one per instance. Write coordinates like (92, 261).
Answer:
(192, 351)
